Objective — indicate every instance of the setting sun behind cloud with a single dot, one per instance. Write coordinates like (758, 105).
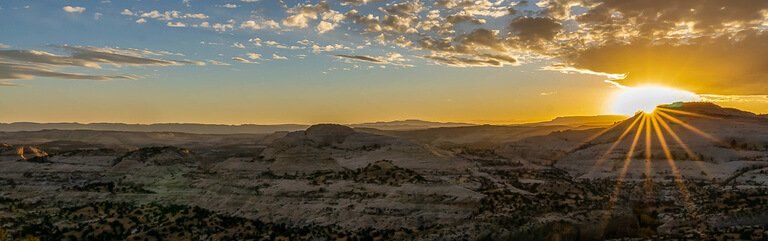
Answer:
(630, 100)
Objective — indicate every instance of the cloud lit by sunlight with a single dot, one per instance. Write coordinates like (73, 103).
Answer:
(630, 100)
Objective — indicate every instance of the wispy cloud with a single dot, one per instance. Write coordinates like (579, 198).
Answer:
(27, 64)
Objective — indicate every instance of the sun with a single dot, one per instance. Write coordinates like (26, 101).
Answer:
(630, 100)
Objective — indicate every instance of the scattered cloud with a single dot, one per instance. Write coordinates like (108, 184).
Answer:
(254, 56)
(243, 60)
(259, 24)
(176, 24)
(278, 57)
(299, 16)
(219, 63)
(238, 45)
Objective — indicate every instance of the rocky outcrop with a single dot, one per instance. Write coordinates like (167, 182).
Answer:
(327, 134)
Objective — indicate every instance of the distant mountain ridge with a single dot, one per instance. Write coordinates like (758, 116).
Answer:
(165, 127)
(410, 124)
(596, 120)
(397, 125)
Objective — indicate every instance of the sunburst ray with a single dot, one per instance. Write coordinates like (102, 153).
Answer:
(682, 112)
(622, 173)
(682, 144)
(604, 156)
(678, 178)
(689, 127)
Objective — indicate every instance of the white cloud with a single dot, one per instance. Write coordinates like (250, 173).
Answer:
(254, 56)
(229, 5)
(214, 62)
(141, 20)
(300, 16)
(257, 25)
(243, 60)
(127, 12)
(255, 41)
(238, 45)
(176, 24)
(324, 26)
(317, 48)
(171, 15)
(71, 9)
(278, 57)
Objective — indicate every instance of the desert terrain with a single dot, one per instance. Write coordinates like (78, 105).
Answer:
(575, 178)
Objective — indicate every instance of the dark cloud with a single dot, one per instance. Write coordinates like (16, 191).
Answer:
(661, 16)
(535, 28)
(361, 58)
(483, 38)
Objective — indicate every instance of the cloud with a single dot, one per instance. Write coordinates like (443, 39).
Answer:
(722, 65)
(467, 60)
(72, 9)
(278, 57)
(391, 58)
(300, 15)
(127, 12)
(357, 2)
(176, 24)
(214, 62)
(535, 28)
(171, 15)
(238, 45)
(141, 20)
(218, 27)
(630, 41)
(254, 56)
(229, 5)
(4, 46)
(360, 58)
(324, 26)
(259, 24)
(243, 60)
(16, 71)
(27, 64)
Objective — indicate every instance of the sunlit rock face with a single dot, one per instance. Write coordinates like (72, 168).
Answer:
(15, 153)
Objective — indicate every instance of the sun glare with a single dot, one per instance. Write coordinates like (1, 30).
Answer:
(630, 100)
